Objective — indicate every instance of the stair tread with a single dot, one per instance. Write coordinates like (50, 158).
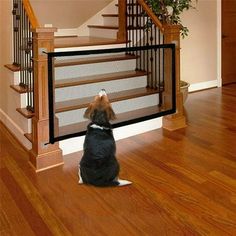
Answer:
(104, 27)
(90, 60)
(12, 67)
(79, 103)
(19, 89)
(121, 117)
(110, 15)
(26, 113)
(98, 78)
(80, 41)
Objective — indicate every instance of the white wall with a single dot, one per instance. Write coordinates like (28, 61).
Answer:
(199, 49)
(5, 50)
(66, 14)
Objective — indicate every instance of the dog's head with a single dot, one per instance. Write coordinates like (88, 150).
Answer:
(100, 111)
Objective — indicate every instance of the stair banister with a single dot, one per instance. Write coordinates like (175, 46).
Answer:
(171, 35)
(42, 155)
(150, 13)
(30, 13)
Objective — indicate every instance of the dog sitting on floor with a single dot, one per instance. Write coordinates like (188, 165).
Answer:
(99, 166)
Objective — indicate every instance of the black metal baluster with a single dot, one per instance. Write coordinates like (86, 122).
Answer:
(136, 35)
(31, 67)
(22, 46)
(17, 29)
(161, 81)
(151, 58)
(14, 31)
(143, 40)
(140, 37)
(133, 26)
(155, 76)
(129, 24)
(147, 44)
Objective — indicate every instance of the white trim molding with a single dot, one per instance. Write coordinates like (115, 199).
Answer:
(219, 54)
(203, 85)
(15, 129)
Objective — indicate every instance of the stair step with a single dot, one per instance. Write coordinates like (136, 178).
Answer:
(80, 41)
(91, 60)
(98, 78)
(79, 103)
(129, 4)
(122, 117)
(104, 27)
(110, 15)
(26, 113)
(18, 88)
(29, 137)
(12, 67)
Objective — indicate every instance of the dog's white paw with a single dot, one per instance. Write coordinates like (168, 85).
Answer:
(80, 178)
(123, 182)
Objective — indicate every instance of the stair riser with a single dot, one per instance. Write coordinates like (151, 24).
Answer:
(88, 90)
(104, 33)
(94, 69)
(16, 78)
(110, 21)
(75, 116)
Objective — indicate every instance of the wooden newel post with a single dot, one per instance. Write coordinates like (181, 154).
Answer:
(42, 155)
(177, 120)
(122, 33)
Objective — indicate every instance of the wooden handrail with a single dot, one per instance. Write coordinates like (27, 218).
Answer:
(150, 13)
(30, 13)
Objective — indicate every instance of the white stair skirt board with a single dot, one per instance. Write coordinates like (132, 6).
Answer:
(15, 129)
(203, 85)
(76, 144)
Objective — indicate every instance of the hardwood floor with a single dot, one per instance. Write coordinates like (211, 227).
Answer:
(184, 182)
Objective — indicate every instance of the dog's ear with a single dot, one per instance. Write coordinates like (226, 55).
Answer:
(89, 112)
(111, 114)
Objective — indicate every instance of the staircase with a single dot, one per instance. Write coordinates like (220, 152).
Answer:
(78, 79)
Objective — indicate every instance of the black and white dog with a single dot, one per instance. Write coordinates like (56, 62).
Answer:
(99, 165)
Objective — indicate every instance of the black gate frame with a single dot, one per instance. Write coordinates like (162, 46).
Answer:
(52, 55)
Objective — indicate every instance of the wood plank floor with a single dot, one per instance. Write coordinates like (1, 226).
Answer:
(184, 182)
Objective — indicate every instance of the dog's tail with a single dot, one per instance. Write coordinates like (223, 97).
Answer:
(123, 182)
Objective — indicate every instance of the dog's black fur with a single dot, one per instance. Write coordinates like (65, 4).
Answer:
(99, 165)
